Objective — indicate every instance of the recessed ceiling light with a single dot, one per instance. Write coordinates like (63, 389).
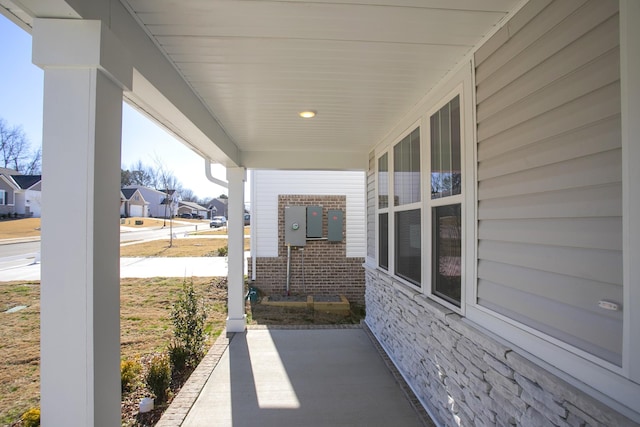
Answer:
(307, 114)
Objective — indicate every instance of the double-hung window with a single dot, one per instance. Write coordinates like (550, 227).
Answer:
(399, 209)
(3, 197)
(446, 202)
(406, 201)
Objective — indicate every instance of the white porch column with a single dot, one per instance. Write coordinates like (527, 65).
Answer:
(85, 72)
(236, 320)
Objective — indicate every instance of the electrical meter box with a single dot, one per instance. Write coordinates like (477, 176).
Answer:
(314, 221)
(334, 225)
(295, 225)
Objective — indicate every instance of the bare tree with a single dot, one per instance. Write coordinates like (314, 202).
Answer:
(139, 174)
(15, 150)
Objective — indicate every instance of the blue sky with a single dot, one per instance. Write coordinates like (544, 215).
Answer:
(21, 85)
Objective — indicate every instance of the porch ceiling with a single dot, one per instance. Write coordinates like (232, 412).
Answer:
(361, 64)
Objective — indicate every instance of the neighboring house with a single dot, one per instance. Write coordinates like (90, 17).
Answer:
(20, 194)
(133, 203)
(192, 208)
(155, 199)
(218, 207)
(326, 261)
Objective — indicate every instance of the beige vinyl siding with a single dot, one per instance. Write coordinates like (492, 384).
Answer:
(549, 172)
(371, 207)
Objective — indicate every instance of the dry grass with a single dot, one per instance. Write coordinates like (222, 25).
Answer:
(145, 328)
(16, 228)
(220, 231)
(190, 247)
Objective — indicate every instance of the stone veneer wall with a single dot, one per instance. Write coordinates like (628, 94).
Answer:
(465, 377)
(327, 270)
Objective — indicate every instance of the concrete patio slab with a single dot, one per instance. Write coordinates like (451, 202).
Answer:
(298, 377)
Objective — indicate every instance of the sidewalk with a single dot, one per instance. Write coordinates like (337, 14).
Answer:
(25, 269)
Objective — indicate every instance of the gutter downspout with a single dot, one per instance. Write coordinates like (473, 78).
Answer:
(207, 172)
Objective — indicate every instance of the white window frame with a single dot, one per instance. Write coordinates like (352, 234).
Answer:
(391, 209)
(465, 199)
(3, 197)
(380, 210)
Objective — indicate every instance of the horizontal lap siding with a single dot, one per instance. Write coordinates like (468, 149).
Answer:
(549, 172)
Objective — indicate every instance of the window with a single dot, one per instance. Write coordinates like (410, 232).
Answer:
(383, 215)
(406, 170)
(399, 222)
(446, 203)
(407, 238)
(383, 240)
(3, 197)
(447, 252)
(445, 150)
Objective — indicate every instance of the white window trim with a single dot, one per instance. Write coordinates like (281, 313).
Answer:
(391, 209)
(4, 197)
(461, 87)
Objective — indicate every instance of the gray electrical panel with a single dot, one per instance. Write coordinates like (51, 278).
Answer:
(334, 225)
(295, 225)
(314, 221)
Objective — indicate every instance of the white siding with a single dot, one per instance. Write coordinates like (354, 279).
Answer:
(269, 184)
(549, 173)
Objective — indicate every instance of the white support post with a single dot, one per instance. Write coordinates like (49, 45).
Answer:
(236, 320)
(630, 111)
(85, 73)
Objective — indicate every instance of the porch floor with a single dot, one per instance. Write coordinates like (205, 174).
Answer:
(295, 376)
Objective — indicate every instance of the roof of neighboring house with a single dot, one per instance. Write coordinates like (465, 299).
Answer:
(26, 181)
(7, 171)
(193, 205)
(128, 192)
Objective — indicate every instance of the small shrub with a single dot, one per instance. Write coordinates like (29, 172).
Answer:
(158, 377)
(31, 418)
(178, 356)
(129, 371)
(223, 251)
(189, 321)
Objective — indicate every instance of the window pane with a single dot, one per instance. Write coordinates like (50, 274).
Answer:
(445, 150)
(407, 245)
(406, 169)
(447, 252)
(383, 241)
(383, 182)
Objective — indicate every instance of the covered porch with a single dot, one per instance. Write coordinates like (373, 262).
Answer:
(312, 376)
(234, 79)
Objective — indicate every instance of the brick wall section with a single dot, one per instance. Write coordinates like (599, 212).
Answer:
(463, 376)
(327, 270)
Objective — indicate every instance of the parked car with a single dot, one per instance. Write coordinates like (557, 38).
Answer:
(186, 215)
(218, 221)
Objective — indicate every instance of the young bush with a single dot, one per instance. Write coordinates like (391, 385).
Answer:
(129, 371)
(158, 378)
(178, 356)
(223, 251)
(31, 418)
(189, 318)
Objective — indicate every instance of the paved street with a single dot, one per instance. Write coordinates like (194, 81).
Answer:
(20, 260)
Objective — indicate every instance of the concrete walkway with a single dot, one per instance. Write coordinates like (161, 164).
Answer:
(327, 376)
